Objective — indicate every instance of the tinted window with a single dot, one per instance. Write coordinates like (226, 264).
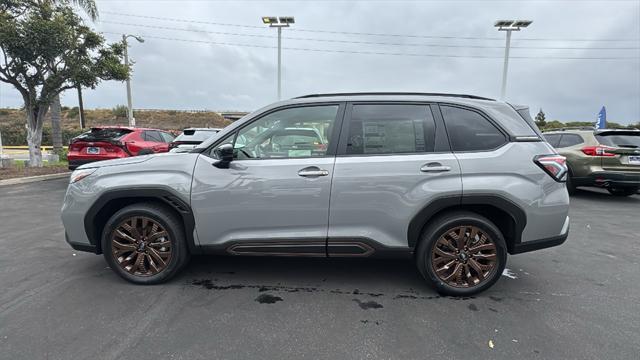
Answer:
(553, 139)
(631, 140)
(389, 129)
(288, 133)
(166, 137)
(154, 136)
(470, 131)
(570, 140)
(199, 135)
(97, 134)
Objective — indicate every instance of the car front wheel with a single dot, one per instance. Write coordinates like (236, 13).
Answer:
(144, 243)
(461, 254)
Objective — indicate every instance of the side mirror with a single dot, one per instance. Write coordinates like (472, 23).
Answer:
(225, 154)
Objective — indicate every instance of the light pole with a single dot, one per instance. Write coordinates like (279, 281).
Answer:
(132, 120)
(508, 26)
(279, 22)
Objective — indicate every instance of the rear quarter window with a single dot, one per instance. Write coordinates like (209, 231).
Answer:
(568, 140)
(470, 131)
(553, 139)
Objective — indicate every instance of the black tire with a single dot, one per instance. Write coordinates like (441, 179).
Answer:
(443, 224)
(571, 188)
(179, 254)
(146, 151)
(625, 191)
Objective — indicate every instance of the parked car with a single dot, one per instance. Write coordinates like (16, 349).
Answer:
(191, 137)
(454, 182)
(606, 158)
(114, 142)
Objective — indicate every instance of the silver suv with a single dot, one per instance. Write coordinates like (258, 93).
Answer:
(453, 181)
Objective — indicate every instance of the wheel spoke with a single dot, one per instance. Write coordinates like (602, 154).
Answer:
(160, 244)
(157, 235)
(124, 236)
(483, 247)
(478, 269)
(156, 255)
(121, 246)
(485, 256)
(443, 254)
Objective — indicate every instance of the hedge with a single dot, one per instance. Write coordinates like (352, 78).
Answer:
(17, 135)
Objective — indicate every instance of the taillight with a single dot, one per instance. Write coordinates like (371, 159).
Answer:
(75, 147)
(597, 150)
(554, 165)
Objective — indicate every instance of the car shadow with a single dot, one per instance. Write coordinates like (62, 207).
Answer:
(597, 193)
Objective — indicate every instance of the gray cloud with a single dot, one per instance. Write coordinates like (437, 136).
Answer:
(183, 75)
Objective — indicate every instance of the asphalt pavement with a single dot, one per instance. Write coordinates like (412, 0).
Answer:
(577, 301)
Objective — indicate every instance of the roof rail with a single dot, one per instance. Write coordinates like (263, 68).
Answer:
(572, 128)
(395, 93)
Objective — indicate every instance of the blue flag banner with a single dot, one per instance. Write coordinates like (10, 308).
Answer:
(602, 119)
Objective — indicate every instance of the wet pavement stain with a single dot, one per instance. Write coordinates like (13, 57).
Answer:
(494, 310)
(268, 299)
(495, 298)
(366, 305)
(472, 307)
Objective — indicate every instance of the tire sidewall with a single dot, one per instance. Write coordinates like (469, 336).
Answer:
(437, 229)
(176, 238)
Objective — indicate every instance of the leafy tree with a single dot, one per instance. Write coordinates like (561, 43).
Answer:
(47, 49)
(540, 119)
(90, 8)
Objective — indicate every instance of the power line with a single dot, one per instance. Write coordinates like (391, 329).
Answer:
(370, 42)
(377, 52)
(351, 33)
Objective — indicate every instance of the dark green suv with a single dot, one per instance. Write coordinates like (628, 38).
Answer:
(605, 158)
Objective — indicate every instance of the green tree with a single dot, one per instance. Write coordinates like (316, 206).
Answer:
(47, 49)
(540, 119)
(90, 8)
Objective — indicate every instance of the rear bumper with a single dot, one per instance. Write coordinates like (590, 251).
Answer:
(533, 245)
(74, 163)
(79, 246)
(609, 179)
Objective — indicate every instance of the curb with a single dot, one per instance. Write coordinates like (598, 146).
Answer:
(30, 179)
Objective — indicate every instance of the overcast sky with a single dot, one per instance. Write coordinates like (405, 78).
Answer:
(171, 74)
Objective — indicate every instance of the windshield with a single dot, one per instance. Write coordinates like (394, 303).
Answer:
(199, 135)
(631, 140)
(96, 134)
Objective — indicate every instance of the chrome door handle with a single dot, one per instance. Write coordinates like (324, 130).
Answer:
(434, 167)
(313, 171)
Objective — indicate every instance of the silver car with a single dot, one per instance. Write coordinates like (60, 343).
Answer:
(454, 182)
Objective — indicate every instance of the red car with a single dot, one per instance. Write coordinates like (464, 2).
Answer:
(113, 142)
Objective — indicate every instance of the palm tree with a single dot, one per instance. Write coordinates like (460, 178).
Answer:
(91, 9)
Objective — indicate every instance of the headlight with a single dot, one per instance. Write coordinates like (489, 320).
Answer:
(80, 174)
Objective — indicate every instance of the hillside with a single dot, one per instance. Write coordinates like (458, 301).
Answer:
(12, 122)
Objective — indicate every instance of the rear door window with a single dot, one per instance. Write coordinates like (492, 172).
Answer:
(553, 139)
(166, 137)
(152, 135)
(470, 131)
(570, 140)
(390, 129)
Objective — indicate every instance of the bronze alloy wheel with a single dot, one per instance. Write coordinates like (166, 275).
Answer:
(141, 246)
(464, 257)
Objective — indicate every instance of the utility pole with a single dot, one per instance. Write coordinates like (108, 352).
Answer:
(132, 120)
(279, 22)
(80, 107)
(508, 26)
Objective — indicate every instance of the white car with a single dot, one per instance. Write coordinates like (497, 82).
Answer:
(190, 138)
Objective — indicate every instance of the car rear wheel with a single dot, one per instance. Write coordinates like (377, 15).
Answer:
(626, 191)
(144, 243)
(461, 254)
(571, 187)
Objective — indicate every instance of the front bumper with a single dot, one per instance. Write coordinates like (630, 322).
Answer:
(79, 246)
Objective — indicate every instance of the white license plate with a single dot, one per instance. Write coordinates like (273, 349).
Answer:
(93, 150)
(634, 160)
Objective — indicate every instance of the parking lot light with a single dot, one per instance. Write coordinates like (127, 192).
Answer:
(279, 22)
(508, 26)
